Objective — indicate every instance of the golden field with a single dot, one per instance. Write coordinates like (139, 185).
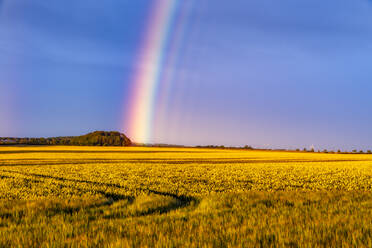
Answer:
(183, 197)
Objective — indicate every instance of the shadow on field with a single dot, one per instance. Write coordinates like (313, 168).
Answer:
(179, 201)
(96, 151)
(30, 162)
(234, 161)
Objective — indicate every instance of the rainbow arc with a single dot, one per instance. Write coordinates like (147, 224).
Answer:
(165, 26)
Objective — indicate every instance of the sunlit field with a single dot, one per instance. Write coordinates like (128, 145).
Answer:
(183, 197)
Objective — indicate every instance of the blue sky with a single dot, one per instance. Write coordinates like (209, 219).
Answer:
(281, 74)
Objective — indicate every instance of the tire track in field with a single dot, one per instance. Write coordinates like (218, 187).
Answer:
(182, 201)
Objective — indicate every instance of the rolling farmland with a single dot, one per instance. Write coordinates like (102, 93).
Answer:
(166, 197)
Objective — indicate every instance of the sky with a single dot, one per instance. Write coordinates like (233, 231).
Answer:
(266, 73)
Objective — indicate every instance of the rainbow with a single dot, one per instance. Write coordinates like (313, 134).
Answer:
(165, 16)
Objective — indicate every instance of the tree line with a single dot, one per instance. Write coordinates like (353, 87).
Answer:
(98, 138)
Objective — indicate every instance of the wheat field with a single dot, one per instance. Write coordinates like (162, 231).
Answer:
(183, 197)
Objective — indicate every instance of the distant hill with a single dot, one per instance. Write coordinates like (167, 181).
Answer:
(98, 138)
